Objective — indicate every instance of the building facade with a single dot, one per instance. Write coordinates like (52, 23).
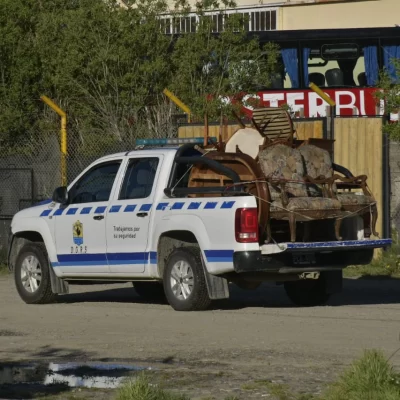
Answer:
(265, 15)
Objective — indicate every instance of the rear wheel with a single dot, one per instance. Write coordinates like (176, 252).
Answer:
(32, 275)
(150, 291)
(184, 281)
(308, 292)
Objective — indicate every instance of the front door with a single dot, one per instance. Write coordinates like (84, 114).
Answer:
(80, 228)
(128, 218)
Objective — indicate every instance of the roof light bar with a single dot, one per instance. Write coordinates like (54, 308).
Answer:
(159, 142)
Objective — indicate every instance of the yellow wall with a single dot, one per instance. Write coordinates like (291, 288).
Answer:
(355, 14)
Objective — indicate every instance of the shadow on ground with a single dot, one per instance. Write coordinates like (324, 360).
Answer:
(363, 291)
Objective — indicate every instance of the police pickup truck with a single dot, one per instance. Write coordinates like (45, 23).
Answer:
(131, 217)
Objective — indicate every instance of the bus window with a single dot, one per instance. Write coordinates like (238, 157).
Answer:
(331, 65)
(391, 58)
(290, 70)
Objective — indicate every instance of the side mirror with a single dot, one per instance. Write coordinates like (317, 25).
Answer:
(60, 195)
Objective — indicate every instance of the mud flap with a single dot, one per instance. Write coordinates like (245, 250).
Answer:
(58, 286)
(217, 287)
(333, 281)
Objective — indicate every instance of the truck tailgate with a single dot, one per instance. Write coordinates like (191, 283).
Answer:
(311, 256)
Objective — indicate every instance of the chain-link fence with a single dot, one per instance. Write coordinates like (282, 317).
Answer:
(394, 151)
(30, 167)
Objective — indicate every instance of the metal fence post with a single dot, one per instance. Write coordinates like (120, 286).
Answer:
(63, 116)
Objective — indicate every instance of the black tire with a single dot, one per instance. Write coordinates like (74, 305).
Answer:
(150, 291)
(308, 292)
(198, 299)
(43, 294)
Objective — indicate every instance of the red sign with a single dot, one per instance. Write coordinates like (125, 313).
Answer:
(354, 101)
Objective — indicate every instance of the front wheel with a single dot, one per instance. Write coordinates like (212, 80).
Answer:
(32, 275)
(307, 292)
(184, 281)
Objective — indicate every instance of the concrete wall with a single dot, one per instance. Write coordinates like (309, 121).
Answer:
(355, 14)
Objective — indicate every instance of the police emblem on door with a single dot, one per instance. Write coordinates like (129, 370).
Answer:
(77, 233)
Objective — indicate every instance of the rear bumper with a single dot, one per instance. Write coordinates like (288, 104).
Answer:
(306, 257)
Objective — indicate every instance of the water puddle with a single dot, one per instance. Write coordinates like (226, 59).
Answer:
(72, 375)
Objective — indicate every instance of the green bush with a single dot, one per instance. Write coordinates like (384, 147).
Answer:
(388, 264)
(369, 378)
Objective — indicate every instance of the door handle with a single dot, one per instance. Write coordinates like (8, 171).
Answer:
(142, 214)
(98, 217)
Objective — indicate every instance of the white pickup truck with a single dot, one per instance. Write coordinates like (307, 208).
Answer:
(130, 217)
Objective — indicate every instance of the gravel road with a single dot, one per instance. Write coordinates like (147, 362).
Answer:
(255, 335)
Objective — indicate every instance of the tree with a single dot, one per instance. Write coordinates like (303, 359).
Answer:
(211, 70)
(389, 94)
(107, 65)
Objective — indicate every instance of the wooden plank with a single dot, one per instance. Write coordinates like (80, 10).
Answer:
(318, 129)
(352, 140)
(358, 147)
(377, 176)
(182, 132)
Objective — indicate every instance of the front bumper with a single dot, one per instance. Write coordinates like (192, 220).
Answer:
(306, 257)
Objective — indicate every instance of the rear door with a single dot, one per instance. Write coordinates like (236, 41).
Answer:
(129, 216)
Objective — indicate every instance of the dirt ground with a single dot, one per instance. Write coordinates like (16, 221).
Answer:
(256, 335)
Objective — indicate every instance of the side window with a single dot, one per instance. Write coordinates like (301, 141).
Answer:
(139, 178)
(336, 65)
(96, 184)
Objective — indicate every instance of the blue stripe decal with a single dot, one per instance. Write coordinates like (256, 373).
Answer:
(86, 210)
(130, 208)
(78, 263)
(59, 211)
(100, 210)
(195, 205)
(127, 256)
(82, 257)
(115, 209)
(153, 257)
(71, 260)
(145, 207)
(72, 211)
(210, 205)
(162, 206)
(219, 255)
(45, 213)
(177, 206)
(227, 204)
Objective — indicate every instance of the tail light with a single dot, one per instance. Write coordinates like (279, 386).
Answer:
(246, 225)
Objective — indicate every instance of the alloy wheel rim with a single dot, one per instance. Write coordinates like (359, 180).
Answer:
(182, 280)
(31, 273)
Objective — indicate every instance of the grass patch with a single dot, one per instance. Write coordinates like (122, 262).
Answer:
(369, 378)
(388, 265)
(141, 389)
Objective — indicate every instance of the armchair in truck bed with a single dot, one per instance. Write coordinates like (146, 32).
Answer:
(303, 182)
(295, 196)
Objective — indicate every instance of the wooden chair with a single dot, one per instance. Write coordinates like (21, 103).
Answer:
(275, 124)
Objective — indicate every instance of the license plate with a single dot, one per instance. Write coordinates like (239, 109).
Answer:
(303, 259)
